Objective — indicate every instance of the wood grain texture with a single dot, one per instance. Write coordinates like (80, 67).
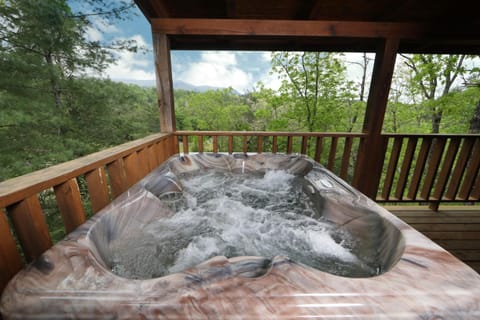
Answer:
(117, 177)
(16, 189)
(97, 189)
(10, 259)
(371, 151)
(70, 204)
(31, 228)
(286, 28)
(163, 71)
(406, 166)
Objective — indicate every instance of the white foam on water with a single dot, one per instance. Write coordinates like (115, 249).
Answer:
(235, 215)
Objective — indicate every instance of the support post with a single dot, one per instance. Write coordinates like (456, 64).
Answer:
(163, 70)
(371, 152)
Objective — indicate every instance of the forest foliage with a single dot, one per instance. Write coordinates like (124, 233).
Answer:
(54, 107)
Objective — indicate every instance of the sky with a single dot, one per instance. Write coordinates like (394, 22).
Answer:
(240, 70)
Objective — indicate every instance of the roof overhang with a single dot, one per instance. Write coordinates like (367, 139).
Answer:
(323, 25)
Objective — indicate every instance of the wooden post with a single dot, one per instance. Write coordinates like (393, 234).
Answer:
(163, 70)
(371, 152)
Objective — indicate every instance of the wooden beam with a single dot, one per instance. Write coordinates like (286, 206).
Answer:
(371, 152)
(289, 28)
(156, 7)
(230, 8)
(163, 68)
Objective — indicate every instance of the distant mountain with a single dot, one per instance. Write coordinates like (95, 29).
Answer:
(176, 85)
(187, 86)
(141, 83)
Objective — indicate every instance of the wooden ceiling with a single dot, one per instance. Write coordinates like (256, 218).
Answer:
(442, 26)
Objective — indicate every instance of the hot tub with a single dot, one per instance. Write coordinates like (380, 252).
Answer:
(236, 236)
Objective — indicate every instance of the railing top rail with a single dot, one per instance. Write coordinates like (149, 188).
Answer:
(432, 135)
(269, 133)
(16, 189)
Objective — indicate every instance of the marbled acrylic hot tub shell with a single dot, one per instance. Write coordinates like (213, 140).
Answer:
(416, 278)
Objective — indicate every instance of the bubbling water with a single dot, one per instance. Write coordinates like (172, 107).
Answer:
(227, 214)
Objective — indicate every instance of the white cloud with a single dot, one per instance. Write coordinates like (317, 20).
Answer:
(131, 65)
(271, 81)
(222, 58)
(104, 25)
(217, 69)
(93, 34)
(267, 56)
(99, 28)
(354, 70)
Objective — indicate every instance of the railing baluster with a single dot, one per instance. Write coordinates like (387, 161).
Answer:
(152, 155)
(392, 167)
(230, 144)
(185, 144)
(475, 194)
(333, 153)
(406, 166)
(215, 144)
(459, 169)
(171, 146)
(10, 259)
(445, 172)
(245, 144)
(274, 144)
(118, 177)
(259, 144)
(175, 146)
(31, 227)
(419, 167)
(163, 150)
(200, 143)
(304, 145)
(97, 189)
(70, 205)
(346, 157)
(289, 144)
(143, 163)
(472, 171)
(131, 169)
(318, 149)
(433, 165)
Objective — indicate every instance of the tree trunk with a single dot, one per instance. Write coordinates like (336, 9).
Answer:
(54, 82)
(436, 119)
(475, 121)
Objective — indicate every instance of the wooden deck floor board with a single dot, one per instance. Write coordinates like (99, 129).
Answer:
(455, 228)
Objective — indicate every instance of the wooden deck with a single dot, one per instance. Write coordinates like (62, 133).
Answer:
(455, 228)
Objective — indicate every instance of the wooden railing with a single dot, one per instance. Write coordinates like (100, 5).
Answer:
(334, 150)
(431, 168)
(106, 173)
(417, 167)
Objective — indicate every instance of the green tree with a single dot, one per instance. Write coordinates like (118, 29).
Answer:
(219, 109)
(43, 46)
(315, 88)
(433, 76)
